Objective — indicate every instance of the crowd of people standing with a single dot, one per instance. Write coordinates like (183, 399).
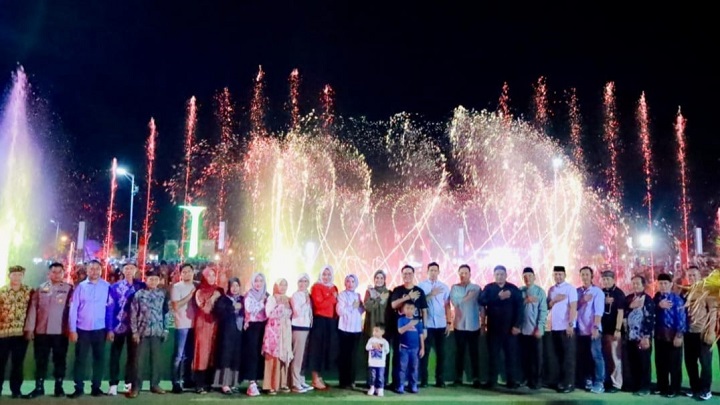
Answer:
(224, 337)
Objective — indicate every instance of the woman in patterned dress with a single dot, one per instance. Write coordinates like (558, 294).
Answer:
(277, 343)
(205, 327)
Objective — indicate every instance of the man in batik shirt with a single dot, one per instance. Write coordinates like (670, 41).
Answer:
(149, 323)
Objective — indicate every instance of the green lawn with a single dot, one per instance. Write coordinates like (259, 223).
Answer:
(429, 395)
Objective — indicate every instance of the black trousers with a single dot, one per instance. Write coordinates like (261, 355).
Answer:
(505, 343)
(115, 351)
(43, 345)
(12, 348)
(149, 356)
(564, 352)
(252, 339)
(470, 341)
(347, 360)
(668, 366)
(435, 339)
(697, 351)
(89, 341)
(639, 366)
(532, 355)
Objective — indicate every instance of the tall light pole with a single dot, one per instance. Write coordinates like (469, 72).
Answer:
(123, 172)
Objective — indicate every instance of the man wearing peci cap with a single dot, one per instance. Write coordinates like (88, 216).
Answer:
(533, 329)
(562, 302)
(670, 328)
(14, 301)
(612, 322)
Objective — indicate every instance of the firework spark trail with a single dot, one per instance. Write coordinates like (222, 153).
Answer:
(190, 126)
(70, 263)
(149, 180)
(294, 99)
(575, 127)
(110, 214)
(680, 123)
(643, 119)
(258, 104)
(328, 103)
(610, 136)
(540, 101)
(504, 104)
(225, 117)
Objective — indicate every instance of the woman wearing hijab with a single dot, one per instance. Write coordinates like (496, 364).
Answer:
(301, 322)
(376, 299)
(376, 310)
(230, 315)
(277, 342)
(255, 320)
(205, 327)
(324, 328)
(349, 309)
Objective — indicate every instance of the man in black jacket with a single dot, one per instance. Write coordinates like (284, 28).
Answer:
(503, 306)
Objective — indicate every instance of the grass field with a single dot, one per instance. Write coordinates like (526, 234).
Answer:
(461, 395)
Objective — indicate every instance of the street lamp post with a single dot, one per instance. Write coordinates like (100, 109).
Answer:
(123, 172)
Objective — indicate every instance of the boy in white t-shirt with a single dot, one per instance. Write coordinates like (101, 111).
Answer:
(377, 348)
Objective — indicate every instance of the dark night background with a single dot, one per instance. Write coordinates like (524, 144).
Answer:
(104, 68)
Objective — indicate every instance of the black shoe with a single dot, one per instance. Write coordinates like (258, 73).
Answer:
(567, 390)
(76, 394)
(457, 383)
(486, 386)
(512, 386)
(59, 391)
(37, 392)
(440, 384)
(16, 395)
(670, 395)
(476, 384)
(641, 393)
(177, 389)
(97, 392)
(533, 386)
(611, 389)
(424, 384)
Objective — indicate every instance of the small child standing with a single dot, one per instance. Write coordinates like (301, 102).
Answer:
(378, 349)
(412, 348)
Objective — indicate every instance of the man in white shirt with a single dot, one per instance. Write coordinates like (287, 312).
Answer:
(184, 311)
(562, 303)
(438, 300)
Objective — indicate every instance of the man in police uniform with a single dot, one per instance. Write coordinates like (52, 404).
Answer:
(46, 324)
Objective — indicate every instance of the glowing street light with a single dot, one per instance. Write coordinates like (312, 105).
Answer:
(123, 172)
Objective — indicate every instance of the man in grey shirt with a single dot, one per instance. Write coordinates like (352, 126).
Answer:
(46, 324)
(466, 325)
(533, 328)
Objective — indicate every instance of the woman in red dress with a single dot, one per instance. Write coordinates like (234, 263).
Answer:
(205, 326)
(323, 335)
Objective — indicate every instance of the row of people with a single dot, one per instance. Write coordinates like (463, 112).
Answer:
(259, 336)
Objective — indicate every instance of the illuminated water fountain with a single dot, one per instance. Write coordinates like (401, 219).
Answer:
(23, 201)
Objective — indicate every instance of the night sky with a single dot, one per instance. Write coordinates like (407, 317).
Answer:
(105, 68)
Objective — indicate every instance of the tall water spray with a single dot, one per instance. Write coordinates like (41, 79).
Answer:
(23, 201)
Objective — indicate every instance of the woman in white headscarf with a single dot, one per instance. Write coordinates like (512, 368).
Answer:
(349, 309)
(301, 322)
(323, 334)
(255, 320)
